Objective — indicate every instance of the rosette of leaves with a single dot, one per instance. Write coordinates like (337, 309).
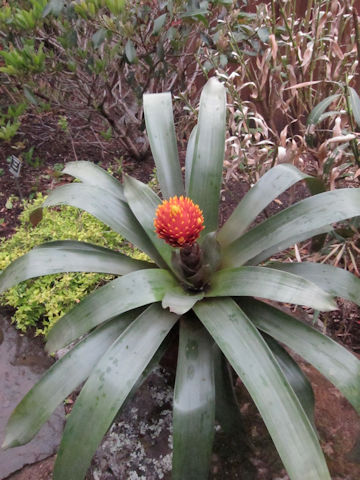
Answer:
(213, 290)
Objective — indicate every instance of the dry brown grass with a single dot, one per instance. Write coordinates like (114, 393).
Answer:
(304, 56)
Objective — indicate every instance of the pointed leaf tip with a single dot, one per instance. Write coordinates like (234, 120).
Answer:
(160, 127)
(215, 85)
(206, 166)
(178, 301)
(4, 445)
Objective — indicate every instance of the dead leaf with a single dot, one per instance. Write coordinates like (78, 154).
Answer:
(36, 216)
(274, 46)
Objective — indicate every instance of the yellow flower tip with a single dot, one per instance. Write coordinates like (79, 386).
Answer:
(178, 221)
(174, 210)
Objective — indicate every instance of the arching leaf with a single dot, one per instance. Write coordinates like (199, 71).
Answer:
(108, 208)
(160, 128)
(37, 405)
(268, 188)
(91, 174)
(337, 364)
(120, 295)
(68, 256)
(107, 388)
(280, 408)
(208, 157)
(297, 220)
(266, 283)
(194, 403)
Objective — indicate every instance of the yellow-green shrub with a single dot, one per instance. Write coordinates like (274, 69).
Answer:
(42, 301)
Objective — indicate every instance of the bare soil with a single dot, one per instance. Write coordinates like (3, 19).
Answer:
(53, 149)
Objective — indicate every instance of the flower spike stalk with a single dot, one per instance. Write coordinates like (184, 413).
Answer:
(179, 222)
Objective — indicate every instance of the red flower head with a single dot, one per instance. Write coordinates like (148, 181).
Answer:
(179, 221)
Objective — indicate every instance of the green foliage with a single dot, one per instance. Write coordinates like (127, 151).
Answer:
(29, 158)
(23, 61)
(21, 18)
(86, 47)
(10, 122)
(211, 285)
(8, 130)
(41, 302)
(89, 8)
(63, 123)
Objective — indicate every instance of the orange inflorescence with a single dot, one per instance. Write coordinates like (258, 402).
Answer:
(179, 221)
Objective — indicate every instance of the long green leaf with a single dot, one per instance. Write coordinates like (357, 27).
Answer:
(207, 164)
(265, 283)
(336, 281)
(337, 364)
(278, 405)
(169, 341)
(295, 376)
(68, 256)
(211, 251)
(96, 176)
(120, 295)
(227, 410)
(268, 188)
(316, 113)
(297, 220)
(37, 406)
(144, 202)
(107, 208)
(160, 128)
(194, 403)
(288, 242)
(107, 388)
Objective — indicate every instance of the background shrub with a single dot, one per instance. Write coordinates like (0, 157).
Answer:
(94, 59)
(41, 302)
(88, 62)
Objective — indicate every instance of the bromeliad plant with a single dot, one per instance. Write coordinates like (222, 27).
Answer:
(207, 281)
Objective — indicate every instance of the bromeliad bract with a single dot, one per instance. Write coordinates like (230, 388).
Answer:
(205, 280)
(179, 221)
